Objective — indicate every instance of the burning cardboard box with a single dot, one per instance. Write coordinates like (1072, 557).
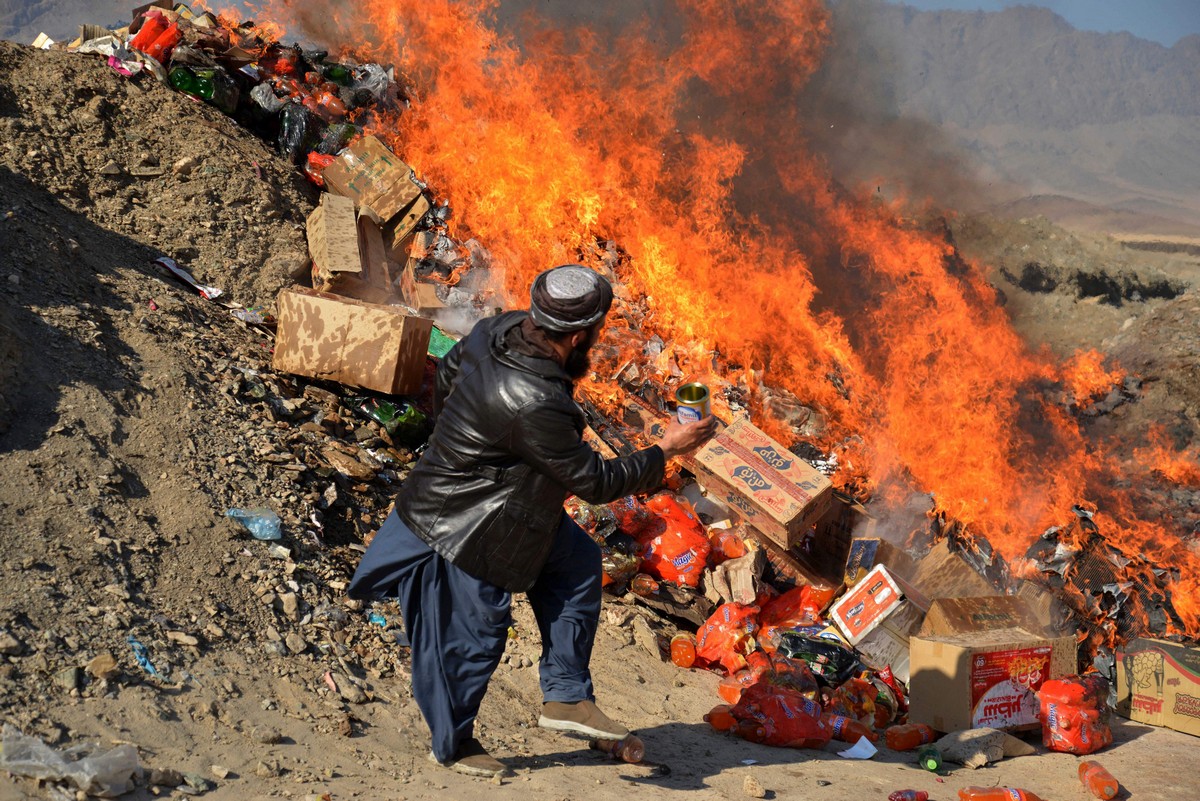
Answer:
(980, 661)
(1158, 682)
(355, 343)
(348, 252)
(379, 183)
(772, 489)
(878, 615)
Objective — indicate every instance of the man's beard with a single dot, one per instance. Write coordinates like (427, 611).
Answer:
(579, 360)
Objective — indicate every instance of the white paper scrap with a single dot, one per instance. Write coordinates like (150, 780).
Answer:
(863, 749)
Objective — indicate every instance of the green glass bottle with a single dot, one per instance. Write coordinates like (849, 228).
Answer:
(930, 758)
(188, 82)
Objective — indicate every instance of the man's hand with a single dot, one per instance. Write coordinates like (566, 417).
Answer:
(681, 438)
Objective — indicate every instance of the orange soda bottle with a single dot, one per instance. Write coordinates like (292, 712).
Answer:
(995, 794)
(643, 584)
(750, 730)
(847, 729)
(720, 717)
(683, 650)
(1098, 781)
(152, 27)
(908, 736)
(628, 749)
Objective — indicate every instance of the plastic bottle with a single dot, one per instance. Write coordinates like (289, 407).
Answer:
(643, 585)
(262, 523)
(152, 27)
(995, 794)
(721, 718)
(683, 649)
(846, 729)
(908, 736)
(1098, 781)
(184, 80)
(161, 48)
(750, 730)
(909, 795)
(628, 749)
(930, 758)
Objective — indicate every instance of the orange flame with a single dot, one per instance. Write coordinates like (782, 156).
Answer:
(680, 140)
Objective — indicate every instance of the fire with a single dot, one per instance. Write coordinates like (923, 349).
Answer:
(681, 142)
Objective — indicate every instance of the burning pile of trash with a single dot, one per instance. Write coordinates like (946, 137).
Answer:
(825, 622)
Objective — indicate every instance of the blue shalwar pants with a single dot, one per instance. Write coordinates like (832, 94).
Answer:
(458, 624)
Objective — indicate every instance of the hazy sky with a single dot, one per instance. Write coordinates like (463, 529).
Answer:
(1164, 21)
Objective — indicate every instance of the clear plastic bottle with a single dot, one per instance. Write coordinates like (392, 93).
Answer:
(628, 749)
(909, 795)
(1098, 781)
(909, 736)
(995, 794)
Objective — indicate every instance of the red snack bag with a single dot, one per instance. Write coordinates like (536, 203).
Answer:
(681, 550)
(785, 717)
(1074, 714)
(728, 635)
(855, 699)
(794, 609)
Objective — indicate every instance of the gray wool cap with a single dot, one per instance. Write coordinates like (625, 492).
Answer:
(570, 297)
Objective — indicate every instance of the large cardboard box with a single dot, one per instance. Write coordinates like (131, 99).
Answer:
(378, 182)
(878, 615)
(349, 341)
(772, 489)
(1158, 682)
(982, 671)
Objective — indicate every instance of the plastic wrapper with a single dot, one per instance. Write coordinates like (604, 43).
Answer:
(1074, 714)
(106, 774)
(774, 669)
(298, 132)
(830, 661)
(262, 523)
(792, 610)
(780, 716)
(618, 567)
(855, 699)
(728, 636)
(724, 544)
(265, 98)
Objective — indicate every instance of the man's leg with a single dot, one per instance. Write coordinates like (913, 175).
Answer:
(457, 626)
(566, 602)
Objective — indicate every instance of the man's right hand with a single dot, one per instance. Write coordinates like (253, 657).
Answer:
(682, 438)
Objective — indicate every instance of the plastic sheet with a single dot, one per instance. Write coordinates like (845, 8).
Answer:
(107, 774)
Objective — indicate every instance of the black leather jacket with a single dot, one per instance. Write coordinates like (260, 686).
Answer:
(506, 451)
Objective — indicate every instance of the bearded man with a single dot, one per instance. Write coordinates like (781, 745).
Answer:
(481, 517)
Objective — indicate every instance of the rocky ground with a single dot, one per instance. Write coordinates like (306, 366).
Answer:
(133, 413)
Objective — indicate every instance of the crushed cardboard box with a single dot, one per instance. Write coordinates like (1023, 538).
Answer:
(878, 615)
(771, 488)
(360, 344)
(379, 183)
(348, 252)
(419, 295)
(971, 667)
(1158, 682)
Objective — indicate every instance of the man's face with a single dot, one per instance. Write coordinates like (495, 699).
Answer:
(579, 361)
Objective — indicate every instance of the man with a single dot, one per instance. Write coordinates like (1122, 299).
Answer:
(481, 517)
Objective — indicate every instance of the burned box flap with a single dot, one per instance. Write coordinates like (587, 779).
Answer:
(332, 234)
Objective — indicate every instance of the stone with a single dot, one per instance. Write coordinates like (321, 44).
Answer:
(167, 777)
(185, 165)
(182, 638)
(644, 636)
(69, 678)
(220, 771)
(267, 769)
(266, 735)
(111, 169)
(753, 788)
(289, 604)
(351, 692)
(103, 667)
(295, 642)
(347, 465)
(10, 645)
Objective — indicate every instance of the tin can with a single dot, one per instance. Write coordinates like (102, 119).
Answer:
(692, 403)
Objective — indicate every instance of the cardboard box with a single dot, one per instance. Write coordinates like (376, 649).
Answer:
(982, 672)
(378, 182)
(826, 544)
(1158, 682)
(950, 616)
(866, 553)
(943, 573)
(332, 234)
(878, 616)
(399, 233)
(772, 489)
(349, 341)
(420, 295)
